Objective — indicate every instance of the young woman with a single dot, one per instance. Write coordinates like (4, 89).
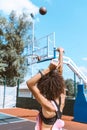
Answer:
(48, 86)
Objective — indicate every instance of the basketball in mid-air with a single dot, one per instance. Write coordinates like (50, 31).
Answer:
(42, 10)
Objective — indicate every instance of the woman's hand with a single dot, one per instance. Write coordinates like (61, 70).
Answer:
(54, 65)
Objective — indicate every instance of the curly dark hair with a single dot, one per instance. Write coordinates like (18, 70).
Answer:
(51, 85)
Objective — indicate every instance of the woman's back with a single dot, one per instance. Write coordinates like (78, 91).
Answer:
(46, 89)
(48, 118)
(47, 114)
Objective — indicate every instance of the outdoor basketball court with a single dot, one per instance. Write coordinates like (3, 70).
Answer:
(18, 126)
(10, 122)
(24, 119)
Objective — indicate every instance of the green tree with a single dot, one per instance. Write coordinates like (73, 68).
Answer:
(70, 87)
(2, 54)
(2, 65)
(15, 34)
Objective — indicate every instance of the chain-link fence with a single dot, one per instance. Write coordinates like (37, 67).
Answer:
(10, 95)
(7, 94)
(22, 90)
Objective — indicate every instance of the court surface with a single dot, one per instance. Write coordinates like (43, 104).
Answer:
(24, 119)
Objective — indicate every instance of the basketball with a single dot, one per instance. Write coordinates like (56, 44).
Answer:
(42, 10)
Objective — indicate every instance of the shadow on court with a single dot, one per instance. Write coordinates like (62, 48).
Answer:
(10, 122)
(26, 125)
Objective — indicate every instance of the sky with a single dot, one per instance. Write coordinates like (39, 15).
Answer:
(67, 18)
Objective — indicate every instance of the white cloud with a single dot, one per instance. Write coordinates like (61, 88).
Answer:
(19, 6)
(83, 69)
(85, 58)
(68, 73)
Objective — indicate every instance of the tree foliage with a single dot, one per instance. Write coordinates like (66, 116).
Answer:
(14, 37)
(70, 87)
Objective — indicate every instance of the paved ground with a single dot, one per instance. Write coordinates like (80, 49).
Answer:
(29, 124)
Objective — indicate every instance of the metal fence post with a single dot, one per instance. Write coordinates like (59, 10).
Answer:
(4, 91)
(75, 85)
(18, 82)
